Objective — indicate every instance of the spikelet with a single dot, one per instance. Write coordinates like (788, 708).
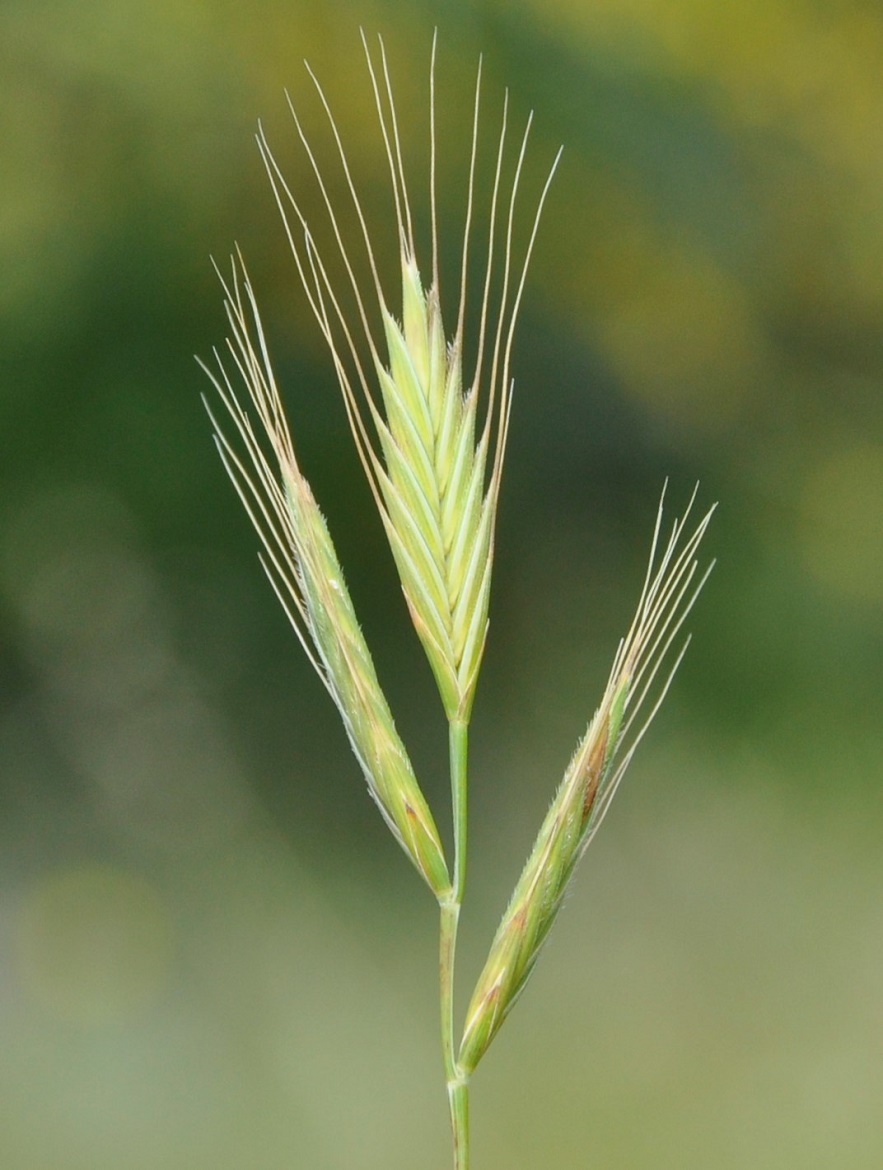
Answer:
(304, 570)
(433, 464)
(589, 784)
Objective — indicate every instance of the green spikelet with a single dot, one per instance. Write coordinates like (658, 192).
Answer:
(437, 515)
(537, 898)
(353, 682)
(433, 465)
(584, 795)
(304, 569)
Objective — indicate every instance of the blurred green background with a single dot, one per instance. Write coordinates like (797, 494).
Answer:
(211, 953)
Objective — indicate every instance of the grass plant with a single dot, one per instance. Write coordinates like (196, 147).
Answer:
(431, 435)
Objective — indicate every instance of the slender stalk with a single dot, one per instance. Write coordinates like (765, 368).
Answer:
(458, 740)
(457, 1079)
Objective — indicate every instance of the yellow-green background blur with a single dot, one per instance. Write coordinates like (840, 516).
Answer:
(212, 955)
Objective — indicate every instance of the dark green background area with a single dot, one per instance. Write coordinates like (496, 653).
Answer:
(211, 952)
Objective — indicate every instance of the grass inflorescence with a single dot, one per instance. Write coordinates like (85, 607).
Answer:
(431, 435)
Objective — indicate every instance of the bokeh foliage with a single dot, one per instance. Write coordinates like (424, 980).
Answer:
(209, 953)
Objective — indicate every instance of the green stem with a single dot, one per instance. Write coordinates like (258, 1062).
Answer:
(458, 740)
(457, 1080)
